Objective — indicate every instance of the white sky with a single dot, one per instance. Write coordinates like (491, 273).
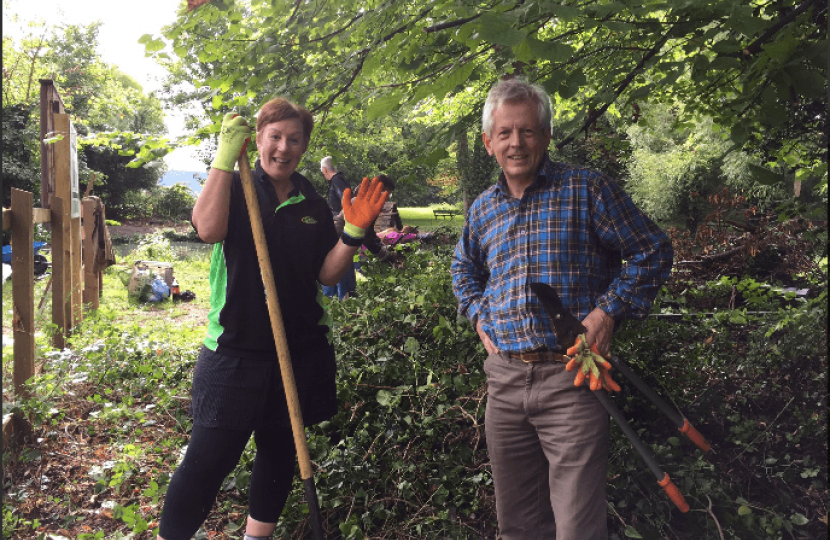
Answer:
(123, 23)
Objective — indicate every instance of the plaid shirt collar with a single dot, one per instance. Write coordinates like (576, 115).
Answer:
(544, 178)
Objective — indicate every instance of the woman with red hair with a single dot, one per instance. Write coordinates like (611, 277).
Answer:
(237, 387)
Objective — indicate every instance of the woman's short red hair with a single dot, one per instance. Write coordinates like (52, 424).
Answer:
(279, 109)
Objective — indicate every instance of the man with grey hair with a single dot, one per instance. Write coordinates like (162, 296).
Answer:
(570, 228)
(337, 185)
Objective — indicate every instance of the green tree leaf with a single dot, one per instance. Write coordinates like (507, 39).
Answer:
(495, 29)
(383, 105)
(799, 519)
(384, 397)
(631, 532)
(550, 50)
(764, 176)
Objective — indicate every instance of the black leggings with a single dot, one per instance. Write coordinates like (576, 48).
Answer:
(211, 455)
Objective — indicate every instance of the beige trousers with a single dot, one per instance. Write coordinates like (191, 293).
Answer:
(548, 446)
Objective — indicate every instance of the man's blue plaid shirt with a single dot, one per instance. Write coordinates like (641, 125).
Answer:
(574, 229)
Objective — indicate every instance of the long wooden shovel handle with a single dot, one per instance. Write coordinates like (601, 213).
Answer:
(278, 328)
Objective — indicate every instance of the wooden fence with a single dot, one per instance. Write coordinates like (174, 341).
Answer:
(66, 287)
(74, 282)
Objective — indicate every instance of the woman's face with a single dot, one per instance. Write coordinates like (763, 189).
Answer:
(281, 145)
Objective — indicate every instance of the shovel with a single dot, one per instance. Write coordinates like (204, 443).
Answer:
(277, 327)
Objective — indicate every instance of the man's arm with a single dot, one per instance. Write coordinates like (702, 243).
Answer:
(646, 251)
(338, 186)
(469, 279)
(647, 259)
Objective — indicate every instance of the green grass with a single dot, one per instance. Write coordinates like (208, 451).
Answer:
(171, 321)
(423, 218)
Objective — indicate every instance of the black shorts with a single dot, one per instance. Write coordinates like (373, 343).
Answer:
(231, 392)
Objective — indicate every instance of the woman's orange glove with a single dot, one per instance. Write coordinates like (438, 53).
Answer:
(361, 213)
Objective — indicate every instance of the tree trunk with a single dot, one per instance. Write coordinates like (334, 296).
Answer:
(463, 163)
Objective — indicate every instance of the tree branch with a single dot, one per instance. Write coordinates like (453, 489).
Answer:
(293, 13)
(330, 101)
(363, 54)
(450, 24)
(620, 88)
(755, 46)
(336, 32)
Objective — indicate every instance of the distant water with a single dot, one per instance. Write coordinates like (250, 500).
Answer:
(186, 177)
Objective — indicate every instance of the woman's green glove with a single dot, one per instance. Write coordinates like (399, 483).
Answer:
(233, 136)
(365, 209)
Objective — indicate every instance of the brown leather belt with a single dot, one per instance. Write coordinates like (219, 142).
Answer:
(540, 356)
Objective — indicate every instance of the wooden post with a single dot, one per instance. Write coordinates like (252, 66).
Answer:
(76, 256)
(89, 250)
(60, 287)
(71, 226)
(23, 294)
(50, 103)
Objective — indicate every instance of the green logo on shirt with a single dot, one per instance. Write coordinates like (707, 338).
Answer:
(309, 220)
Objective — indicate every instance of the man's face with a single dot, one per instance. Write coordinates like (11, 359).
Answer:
(518, 141)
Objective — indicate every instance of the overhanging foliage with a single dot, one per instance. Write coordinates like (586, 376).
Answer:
(739, 62)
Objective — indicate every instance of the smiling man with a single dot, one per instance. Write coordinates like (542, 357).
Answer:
(570, 228)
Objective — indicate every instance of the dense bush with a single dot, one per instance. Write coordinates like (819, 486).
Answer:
(20, 169)
(174, 202)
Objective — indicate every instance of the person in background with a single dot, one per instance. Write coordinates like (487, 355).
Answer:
(570, 228)
(337, 186)
(371, 241)
(237, 386)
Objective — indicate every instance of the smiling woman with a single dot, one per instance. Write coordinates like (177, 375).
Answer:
(237, 388)
(282, 138)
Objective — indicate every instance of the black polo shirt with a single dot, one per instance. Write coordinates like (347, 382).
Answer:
(300, 233)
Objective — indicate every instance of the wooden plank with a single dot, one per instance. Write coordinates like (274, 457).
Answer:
(23, 290)
(42, 215)
(77, 271)
(63, 180)
(47, 151)
(60, 288)
(90, 277)
(39, 215)
(63, 190)
(50, 104)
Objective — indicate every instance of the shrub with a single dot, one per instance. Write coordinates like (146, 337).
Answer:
(175, 202)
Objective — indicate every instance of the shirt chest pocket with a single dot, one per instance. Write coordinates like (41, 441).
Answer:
(297, 239)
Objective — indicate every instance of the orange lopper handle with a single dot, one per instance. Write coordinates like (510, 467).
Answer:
(674, 493)
(694, 436)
